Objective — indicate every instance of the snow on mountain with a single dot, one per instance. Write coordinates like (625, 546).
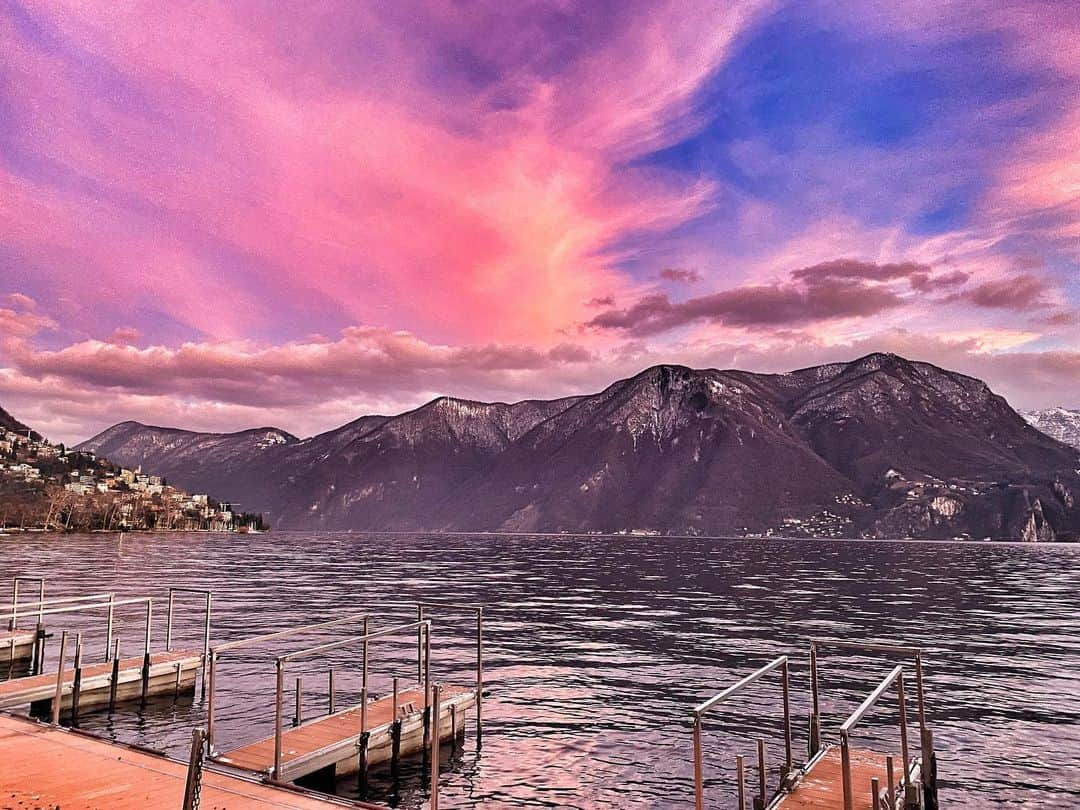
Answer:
(1060, 423)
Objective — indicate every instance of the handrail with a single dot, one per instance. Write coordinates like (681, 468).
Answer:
(872, 646)
(112, 603)
(896, 675)
(479, 609)
(700, 711)
(206, 628)
(291, 631)
(871, 699)
(15, 595)
(279, 687)
(333, 645)
(216, 651)
(749, 679)
(59, 600)
(893, 649)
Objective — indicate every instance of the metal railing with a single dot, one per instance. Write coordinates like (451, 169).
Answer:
(926, 735)
(895, 676)
(15, 596)
(890, 649)
(479, 610)
(208, 595)
(216, 654)
(280, 661)
(700, 711)
(110, 604)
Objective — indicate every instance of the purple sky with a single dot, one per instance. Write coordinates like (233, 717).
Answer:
(215, 217)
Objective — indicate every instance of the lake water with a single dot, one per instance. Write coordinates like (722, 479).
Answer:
(596, 648)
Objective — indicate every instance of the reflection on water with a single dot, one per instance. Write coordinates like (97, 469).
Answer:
(596, 648)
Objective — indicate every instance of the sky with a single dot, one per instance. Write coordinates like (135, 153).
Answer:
(216, 217)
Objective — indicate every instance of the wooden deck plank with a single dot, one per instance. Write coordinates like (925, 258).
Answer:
(20, 691)
(50, 767)
(321, 732)
(822, 788)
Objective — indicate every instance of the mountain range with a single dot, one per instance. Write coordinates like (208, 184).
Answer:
(878, 447)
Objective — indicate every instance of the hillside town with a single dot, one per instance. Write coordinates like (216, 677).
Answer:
(46, 487)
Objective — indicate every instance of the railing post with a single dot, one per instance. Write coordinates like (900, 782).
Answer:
(875, 794)
(299, 716)
(479, 673)
(109, 625)
(427, 683)
(114, 681)
(278, 707)
(146, 652)
(419, 644)
(815, 712)
(395, 736)
(168, 621)
(903, 726)
(845, 768)
(57, 695)
(890, 777)
(206, 643)
(699, 781)
(38, 666)
(762, 774)
(919, 691)
(76, 685)
(12, 622)
(212, 675)
(788, 763)
(740, 775)
(929, 771)
(435, 749)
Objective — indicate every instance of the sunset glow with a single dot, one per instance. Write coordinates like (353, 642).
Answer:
(216, 217)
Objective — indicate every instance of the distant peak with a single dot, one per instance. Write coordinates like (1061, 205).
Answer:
(880, 360)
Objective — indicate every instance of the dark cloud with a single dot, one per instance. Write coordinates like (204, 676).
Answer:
(924, 282)
(1019, 293)
(856, 270)
(603, 301)
(839, 289)
(680, 276)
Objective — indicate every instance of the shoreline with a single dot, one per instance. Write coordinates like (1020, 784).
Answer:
(566, 535)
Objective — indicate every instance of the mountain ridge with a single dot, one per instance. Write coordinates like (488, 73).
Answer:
(880, 446)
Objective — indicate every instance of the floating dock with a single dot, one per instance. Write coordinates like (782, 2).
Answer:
(334, 741)
(835, 776)
(821, 788)
(169, 673)
(16, 645)
(47, 766)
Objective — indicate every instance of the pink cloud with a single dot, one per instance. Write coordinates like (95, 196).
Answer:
(379, 201)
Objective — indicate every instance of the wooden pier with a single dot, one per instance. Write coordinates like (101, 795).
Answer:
(169, 673)
(47, 766)
(334, 741)
(836, 776)
(822, 786)
(16, 645)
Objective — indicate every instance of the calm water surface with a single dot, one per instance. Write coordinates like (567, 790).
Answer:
(597, 647)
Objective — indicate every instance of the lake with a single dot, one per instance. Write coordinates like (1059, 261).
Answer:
(596, 648)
